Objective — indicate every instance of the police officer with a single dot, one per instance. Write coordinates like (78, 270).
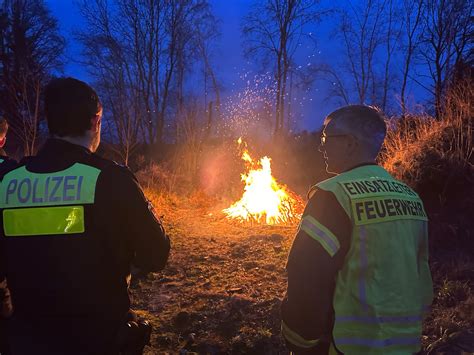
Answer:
(73, 224)
(358, 274)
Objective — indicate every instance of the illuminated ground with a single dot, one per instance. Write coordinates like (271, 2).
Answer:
(222, 287)
(221, 290)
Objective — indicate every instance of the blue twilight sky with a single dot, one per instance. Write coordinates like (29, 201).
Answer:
(311, 106)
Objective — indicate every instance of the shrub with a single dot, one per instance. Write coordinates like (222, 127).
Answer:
(436, 159)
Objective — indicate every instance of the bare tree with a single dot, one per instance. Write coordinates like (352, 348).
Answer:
(30, 48)
(360, 30)
(190, 132)
(392, 30)
(369, 32)
(139, 52)
(447, 37)
(206, 33)
(111, 63)
(194, 40)
(337, 84)
(412, 14)
(273, 30)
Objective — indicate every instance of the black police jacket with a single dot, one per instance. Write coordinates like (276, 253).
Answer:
(81, 275)
(6, 164)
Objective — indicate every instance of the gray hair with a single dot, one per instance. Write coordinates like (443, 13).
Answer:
(364, 122)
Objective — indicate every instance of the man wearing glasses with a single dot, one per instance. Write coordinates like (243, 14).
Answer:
(358, 274)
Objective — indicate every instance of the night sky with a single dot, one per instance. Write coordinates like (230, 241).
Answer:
(311, 107)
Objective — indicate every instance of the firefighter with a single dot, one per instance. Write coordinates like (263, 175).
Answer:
(73, 225)
(358, 274)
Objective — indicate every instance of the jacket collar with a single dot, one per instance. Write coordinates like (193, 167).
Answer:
(358, 166)
(57, 146)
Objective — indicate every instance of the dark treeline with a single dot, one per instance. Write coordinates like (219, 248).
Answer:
(153, 62)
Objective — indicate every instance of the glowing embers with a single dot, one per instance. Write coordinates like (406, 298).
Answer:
(263, 200)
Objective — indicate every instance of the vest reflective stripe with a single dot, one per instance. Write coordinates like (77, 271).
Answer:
(385, 280)
(43, 221)
(295, 338)
(321, 234)
(378, 343)
(374, 320)
(363, 268)
(75, 185)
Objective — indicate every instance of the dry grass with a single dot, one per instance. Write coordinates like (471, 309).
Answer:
(420, 149)
(411, 145)
(221, 290)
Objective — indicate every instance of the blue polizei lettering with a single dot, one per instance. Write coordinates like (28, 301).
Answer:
(79, 187)
(23, 198)
(67, 187)
(56, 189)
(57, 180)
(46, 189)
(11, 188)
(35, 190)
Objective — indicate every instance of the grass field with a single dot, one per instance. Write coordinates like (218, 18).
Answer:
(221, 290)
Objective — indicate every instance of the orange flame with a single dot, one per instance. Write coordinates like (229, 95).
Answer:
(263, 199)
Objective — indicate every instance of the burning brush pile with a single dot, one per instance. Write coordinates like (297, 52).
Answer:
(264, 200)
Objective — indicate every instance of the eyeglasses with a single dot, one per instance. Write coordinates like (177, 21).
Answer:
(324, 137)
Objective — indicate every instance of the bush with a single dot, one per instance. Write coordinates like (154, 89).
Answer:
(436, 159)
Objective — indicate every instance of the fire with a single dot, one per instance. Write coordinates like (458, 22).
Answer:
(263, 200)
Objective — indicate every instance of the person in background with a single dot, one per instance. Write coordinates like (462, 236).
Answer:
(5, 161)
(6, 307)
(73, 224)
(358, 275)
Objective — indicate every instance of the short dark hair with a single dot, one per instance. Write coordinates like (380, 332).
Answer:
(69, 105)
(3, 126)
(368, 121)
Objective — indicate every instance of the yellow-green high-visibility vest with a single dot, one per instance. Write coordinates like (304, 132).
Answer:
(385, 284)
(36, 204)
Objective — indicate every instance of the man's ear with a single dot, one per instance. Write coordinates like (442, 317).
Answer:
(3, 141)
(95, 122)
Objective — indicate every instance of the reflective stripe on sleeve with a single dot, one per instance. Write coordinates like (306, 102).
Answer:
(321, 234)
(296, 339)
